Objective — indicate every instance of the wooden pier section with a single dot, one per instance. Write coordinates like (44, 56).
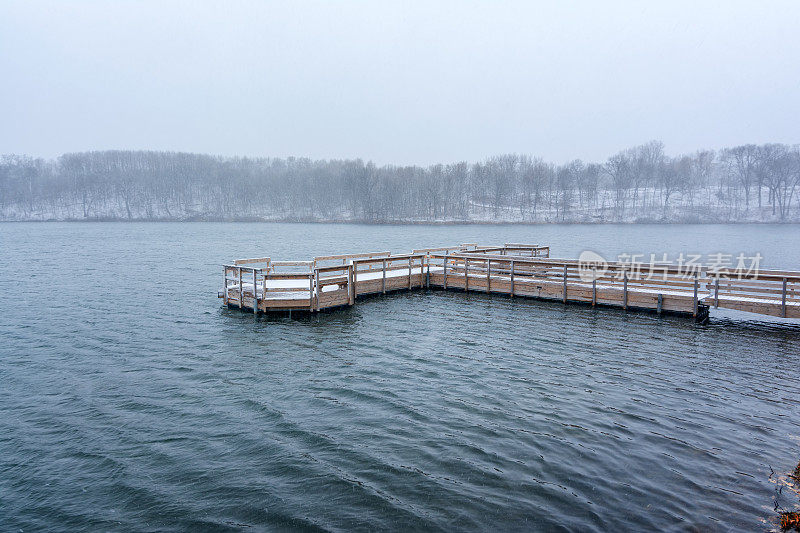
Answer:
(262, 285)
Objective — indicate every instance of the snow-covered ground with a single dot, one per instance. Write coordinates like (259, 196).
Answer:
(703, 206)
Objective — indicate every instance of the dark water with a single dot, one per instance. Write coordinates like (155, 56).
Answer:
(130, 400)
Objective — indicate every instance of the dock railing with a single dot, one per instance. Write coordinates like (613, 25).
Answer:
(263, 284)
(618, 284)
(328, 260)
(333, 286)
(238, 281)
(769, 292)
(375, 271)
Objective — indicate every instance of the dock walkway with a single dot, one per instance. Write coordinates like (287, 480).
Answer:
(527, 270)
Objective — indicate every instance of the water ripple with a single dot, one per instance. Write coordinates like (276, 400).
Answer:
(424, 411)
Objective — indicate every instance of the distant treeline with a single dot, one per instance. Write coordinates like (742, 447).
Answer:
(744, 183)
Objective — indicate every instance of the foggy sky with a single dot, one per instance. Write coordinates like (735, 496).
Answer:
(397, 82)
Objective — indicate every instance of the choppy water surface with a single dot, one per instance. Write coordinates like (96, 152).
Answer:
(130, 400)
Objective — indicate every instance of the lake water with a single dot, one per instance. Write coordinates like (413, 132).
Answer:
(131, 400)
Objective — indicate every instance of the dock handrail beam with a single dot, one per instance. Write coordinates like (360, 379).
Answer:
(251, 261)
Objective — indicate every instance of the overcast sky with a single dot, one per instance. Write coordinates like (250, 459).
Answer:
(402, 83)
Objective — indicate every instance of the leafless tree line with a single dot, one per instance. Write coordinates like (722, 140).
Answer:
(743, 183)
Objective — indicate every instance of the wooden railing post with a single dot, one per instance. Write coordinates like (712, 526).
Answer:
(241, 289)
(565, 284)
(716, 292)
(255, 293)
(428, 274)
(355, 280)
(264, 287)
(350, 293)
(625, 290)
(225, 285)
(594, 288)
(445, 269)
(783, 299)
(694, 308)
(316, 287)
(512, 278)
(409, 273)
(311, 292)
(488, 276)
(383, 280)
(466, 274)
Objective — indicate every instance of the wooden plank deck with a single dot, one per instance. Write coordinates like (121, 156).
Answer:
(512, 269)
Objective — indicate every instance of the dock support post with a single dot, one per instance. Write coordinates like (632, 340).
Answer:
(716, 292)
(383, 280)
(565, 284)
(255, 293)
(660, 305)
(488, 276)
(241, 289)
(512, 278)
(594, 289)
(445, 270)
(409, 273)
(694, 308)
(625, 290)
(466, 274)
(702, 315)
(783, 299)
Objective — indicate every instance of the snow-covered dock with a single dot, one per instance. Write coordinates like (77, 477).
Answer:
(264, 285)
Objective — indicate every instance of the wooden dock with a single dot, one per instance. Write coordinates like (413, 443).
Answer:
(262, 285)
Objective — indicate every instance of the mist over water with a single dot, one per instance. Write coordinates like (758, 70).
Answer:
(131, 400)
